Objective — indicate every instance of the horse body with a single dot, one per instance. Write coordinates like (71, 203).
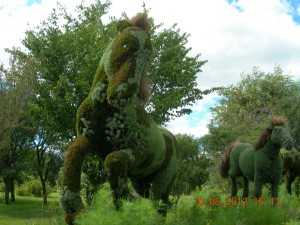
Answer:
(113, 124)
(260, 162)
(235, 156)
(291, 169)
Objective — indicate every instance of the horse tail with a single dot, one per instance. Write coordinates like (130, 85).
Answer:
(224, 165)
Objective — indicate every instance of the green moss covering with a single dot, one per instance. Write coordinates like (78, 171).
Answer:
(260, 162)
(291, 169)
(112, 123)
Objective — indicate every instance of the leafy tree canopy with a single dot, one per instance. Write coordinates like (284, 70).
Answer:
(246, 106)
(66, 50)
(192, 166)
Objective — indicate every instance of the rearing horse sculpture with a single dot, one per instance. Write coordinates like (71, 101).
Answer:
(113, 124)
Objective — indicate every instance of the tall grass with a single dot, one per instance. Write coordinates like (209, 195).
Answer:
(212, 210)
(188, 211)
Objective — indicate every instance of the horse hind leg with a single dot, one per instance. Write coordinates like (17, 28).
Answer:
(160, 190)
(296, 185)
(163, 180)
(245, 188)
(288, 182)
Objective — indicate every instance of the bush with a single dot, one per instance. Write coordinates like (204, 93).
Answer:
(1, 187)
(33, 187)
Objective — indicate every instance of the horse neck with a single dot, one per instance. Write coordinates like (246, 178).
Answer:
(271, 149)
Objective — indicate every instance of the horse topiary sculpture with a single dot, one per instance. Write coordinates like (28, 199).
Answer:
(113, 124)
(291, 169)
(260, 162)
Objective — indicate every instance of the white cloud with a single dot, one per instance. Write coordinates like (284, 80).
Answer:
(263, 35)
(195, 123)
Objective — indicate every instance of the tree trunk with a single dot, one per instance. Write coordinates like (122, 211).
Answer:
(12, 190)
(6, 190)
(44, 191)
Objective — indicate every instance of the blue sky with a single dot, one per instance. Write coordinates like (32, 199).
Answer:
(294, 8)
(31, 2)
(233, 35)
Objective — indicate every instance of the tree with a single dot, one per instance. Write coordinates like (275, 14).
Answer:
(69, 54)
(192, 165)
(173, 74)
(16, 86)
(245, 107)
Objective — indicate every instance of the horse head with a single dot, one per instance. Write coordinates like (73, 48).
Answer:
(282, 137)
(288, 158)
(125, 61)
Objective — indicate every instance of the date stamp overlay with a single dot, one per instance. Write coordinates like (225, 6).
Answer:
(231, 201)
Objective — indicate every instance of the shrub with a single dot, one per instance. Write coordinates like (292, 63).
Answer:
(1, 187)
(33, 187)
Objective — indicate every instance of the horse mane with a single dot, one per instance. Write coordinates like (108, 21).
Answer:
(266, 134)
(141, 21)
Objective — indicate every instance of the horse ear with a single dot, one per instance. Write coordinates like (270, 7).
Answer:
(122, 24)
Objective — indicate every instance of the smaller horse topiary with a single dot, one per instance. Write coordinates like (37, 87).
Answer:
(291, 169)
(260, 162)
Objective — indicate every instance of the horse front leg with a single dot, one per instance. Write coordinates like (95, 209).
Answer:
(274, 189)
(274, 193)
(70, 197)
(288, 182)
(117, 165)
(258, 184)
(234, 189)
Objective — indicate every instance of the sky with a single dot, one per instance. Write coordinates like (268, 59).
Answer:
(233, 35)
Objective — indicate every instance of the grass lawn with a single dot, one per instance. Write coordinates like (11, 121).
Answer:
(30, 211)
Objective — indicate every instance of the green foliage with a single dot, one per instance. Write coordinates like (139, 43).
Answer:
(245, 107)
(16, 84)
(173, 75)
(1, 186)
(192, 165)
(94, 174)
(33, 188)
(131, 213)
(67, 55)
(188, 211)
(70, 201)
(29, 210)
